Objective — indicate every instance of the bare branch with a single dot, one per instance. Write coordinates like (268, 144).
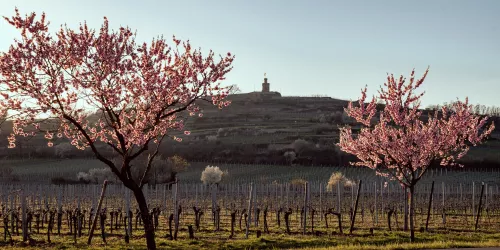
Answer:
(150, 160)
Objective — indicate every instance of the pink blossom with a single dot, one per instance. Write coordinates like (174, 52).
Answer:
(401, 145)
(146, 76)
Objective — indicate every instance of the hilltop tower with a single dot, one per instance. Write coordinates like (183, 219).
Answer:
(265, 85)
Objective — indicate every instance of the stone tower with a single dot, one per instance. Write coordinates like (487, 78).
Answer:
(265, 84)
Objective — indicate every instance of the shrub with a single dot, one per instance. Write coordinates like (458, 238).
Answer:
(337, 117)
(177, 163)
(336, 178)
(212, 138)
(332, 118)
(298, 182)
(290, 156)
(96, 175)
(349, 183)
(211, 175)
(83, 177)
(300, 145)
(162, 170)
(165, 171)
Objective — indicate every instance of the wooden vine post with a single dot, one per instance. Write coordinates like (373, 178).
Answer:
(443, 205)
(91, 232)
(249, 210)
(176, 209)
(320, 200)
(255, 208)
(24, 221)
(306, 202)
(355, 208)
(473, 200)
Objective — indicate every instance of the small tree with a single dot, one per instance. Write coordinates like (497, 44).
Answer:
(290, 156)
(139, 92)
(336, 178)
(301, 145)
(211, 175)
(95, 175)
(162, 170)
(166, 170)
(298, 182)
(400, 145)
(175, 165)
(234, 89)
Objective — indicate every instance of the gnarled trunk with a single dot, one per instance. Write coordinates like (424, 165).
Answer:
(149, 229)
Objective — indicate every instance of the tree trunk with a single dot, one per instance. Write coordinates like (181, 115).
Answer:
(429, 208)
(287, 220)
(479, 208)
(191, 231)
(149, 230)
(412, 211)
(233, 221)
(405, 228)
(389, 214)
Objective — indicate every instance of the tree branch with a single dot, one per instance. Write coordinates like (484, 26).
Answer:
(150, 160)
(92, 146)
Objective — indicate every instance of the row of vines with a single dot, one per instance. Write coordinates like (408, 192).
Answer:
(238, 209)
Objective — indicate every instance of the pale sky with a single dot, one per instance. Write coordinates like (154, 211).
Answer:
(325, 47)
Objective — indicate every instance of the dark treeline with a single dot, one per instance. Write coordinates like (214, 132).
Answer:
(231, 153)
(477, 109)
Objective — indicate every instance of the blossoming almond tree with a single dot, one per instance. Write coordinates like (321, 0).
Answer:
(401, 145)
(51, 84)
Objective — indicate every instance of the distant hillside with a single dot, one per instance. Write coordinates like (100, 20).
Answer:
(259, 127)
(265, 125)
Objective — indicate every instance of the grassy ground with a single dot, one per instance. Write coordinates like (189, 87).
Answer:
(211, 240)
